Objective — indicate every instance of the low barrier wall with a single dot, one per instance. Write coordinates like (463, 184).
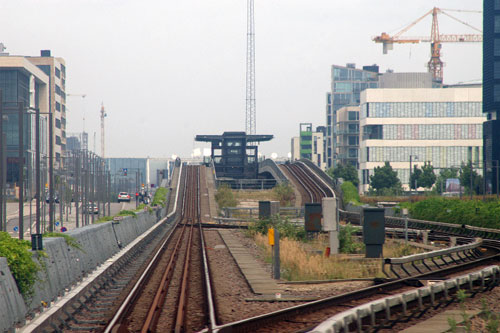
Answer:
(66, 265)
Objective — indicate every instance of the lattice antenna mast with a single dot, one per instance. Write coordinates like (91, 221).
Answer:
(103, 115)
(250, 127)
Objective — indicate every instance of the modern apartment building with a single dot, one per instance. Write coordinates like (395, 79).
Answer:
(491, 92)
(347, 83)
(310, 145)
(441, 126)
(347, 130)
(55, 69)
(23, 82)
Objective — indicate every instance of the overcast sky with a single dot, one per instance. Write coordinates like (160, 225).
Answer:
(168, 70)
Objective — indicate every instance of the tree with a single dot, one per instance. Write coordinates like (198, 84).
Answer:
(444, 174)
(385, 178)
(347, 172)
(415, 177)
(467, 171)
(424, 177)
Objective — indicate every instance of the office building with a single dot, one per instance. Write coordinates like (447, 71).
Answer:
(347, 130)
(346, 85)
(491, 92)
(310, 144)
(55, 69)
(440, 126)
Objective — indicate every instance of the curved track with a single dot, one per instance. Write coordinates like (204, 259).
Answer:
(313, 189)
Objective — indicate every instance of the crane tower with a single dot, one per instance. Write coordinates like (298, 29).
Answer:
(250, 122)
(435, 65)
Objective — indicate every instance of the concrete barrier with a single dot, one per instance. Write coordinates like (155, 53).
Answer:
(65, 265)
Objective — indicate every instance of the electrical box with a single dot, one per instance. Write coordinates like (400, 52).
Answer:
(268, 209)
(312, 216)
(373, 220)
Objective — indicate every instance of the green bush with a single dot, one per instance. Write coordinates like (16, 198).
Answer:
(21, 264)
(347, 240)
(160, 197)
(104, 219)
(284, 226)
(471, 212)
(350, 194)
(284, 193)
(225, 197)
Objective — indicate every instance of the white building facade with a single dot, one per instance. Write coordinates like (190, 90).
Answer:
(442, 126)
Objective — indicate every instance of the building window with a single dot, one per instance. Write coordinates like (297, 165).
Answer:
(58, 72)
(353, 140)
(58, 106)
(353, 115)
(496, 92)
(372, 132)
(58, 90)
(64, 108)
(496, 47)
(497, 24)
(58, 123)
(497, 4)
(58, 140)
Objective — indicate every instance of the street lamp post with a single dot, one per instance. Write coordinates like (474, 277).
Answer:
(409, 179)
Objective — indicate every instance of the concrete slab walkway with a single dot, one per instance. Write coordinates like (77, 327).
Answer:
(439, 323)
(258, 278)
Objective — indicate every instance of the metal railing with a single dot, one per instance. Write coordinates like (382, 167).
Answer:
(455, 254)
(386, 310)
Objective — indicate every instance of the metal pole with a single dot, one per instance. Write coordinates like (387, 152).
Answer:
(37, 171)
(109, 194)
(21, 169)
(3, 225)
(51, 172)
(77, 187)
(471, 179)
(497, 178)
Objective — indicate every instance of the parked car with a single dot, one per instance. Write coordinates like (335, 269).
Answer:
(56, 198)
(91, 208)
(123, 196)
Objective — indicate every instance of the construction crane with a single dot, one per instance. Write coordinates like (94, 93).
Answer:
(435, 65)
(103, 115)
(84, 136)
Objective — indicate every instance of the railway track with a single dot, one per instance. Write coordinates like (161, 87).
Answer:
(179, 299)
(161, 285)
(311, 187)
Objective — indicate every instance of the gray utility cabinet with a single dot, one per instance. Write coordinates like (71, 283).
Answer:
(312, 216)
(373, 220)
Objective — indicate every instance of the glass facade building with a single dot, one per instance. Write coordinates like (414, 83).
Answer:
(22, 82)
(440, 126)
(491, 92)
(347, 83)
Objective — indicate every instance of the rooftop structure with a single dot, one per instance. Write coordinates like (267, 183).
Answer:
(235, 154)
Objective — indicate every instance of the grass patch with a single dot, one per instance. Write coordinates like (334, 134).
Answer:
(305, 260)
(70, 241)
(225, 197)
(126, 212)
(160, 197)
(104, 219)
(248, 195)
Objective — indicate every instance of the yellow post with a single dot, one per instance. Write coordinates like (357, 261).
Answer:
(270, 236)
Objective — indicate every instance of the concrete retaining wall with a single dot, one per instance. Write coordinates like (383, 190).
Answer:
(66, 265)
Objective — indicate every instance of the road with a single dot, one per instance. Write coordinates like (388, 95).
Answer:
(70, 223)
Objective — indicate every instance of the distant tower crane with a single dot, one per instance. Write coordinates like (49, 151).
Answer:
(103, 115)
(435, 65)
(250, 121)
